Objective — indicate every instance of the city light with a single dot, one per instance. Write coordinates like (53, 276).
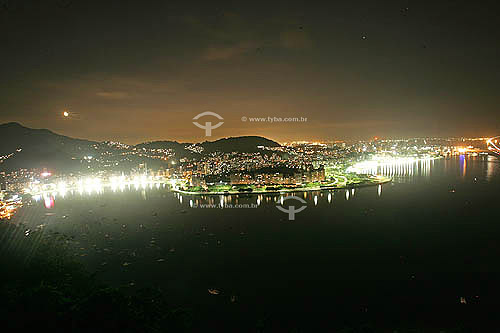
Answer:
(309, 166)
(377, 162)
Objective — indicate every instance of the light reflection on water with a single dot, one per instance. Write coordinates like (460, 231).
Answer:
(414, 171)
(421, 168)
(401, 173)
(50, 198)
(463, 165)
(221, 201)
(492, 167)
(113, 226)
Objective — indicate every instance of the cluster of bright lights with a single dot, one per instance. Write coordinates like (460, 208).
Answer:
(382, 161)
(117, 182)
(492, 144)
(62, 188)
(9, 207)
(91, 185)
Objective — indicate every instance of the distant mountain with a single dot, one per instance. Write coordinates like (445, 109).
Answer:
(246, 144)
(243, 144)
(39, 148)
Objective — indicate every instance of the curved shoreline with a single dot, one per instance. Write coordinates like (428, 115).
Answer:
(312, 189)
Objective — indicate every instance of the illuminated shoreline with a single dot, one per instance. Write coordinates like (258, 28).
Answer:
(383, 180)
(96, 188)
(370, 166)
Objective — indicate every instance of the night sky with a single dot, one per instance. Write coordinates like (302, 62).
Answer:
(134, 72)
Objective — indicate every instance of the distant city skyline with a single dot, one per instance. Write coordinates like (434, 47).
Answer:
(202, 139)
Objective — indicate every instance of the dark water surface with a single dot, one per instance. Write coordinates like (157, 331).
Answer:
(404, 253)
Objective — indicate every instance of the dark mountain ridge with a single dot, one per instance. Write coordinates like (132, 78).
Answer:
(239, 144)
(37, 148)
(41, 148)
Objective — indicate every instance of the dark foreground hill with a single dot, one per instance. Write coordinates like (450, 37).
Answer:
(39, 148)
